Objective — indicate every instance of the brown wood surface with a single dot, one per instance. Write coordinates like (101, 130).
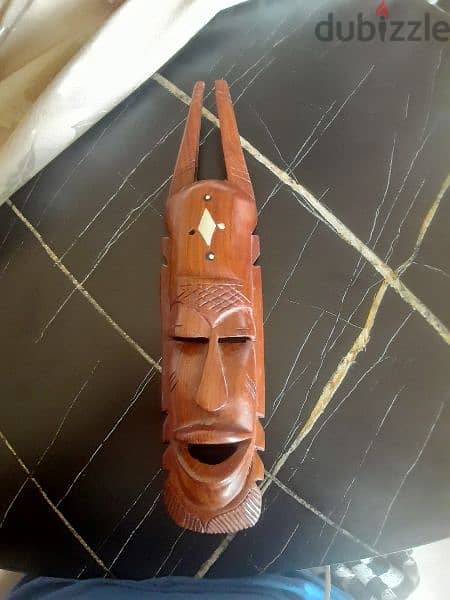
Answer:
(212, 334)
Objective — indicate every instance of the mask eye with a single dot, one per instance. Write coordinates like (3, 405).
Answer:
(190, 340)
(240, 339)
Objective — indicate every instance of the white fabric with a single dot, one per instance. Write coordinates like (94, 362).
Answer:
(66, 63)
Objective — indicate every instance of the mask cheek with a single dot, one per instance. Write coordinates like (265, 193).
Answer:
(238, 365)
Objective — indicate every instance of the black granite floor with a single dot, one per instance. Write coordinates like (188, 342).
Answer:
(358, 416)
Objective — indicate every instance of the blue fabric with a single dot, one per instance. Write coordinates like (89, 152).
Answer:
(263, 587)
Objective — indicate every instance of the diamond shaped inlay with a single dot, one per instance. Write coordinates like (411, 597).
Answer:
(206, 227)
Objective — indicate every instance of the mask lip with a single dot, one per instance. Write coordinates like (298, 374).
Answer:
(211, 434)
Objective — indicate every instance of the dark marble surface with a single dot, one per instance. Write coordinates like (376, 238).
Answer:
(365, 127)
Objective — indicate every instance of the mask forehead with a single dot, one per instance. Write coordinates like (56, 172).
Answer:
(218, 302)
(213, 299)
(213, 296)
(213, 236)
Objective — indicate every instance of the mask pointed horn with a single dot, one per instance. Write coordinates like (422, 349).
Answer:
(235, 164)
(185, 171)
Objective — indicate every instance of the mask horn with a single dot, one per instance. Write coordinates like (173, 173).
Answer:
(185, 171)
(235, 164)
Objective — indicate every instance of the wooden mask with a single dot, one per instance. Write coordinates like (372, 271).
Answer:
(212, 337)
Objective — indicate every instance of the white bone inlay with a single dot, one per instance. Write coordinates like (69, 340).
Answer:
(206, 227)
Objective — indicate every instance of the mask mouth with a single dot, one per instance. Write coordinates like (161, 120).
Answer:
(212, 454)
(212, 463)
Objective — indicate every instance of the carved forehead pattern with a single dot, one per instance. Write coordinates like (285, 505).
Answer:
(215, 298)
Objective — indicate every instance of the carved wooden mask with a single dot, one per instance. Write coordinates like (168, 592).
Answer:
(212, 335)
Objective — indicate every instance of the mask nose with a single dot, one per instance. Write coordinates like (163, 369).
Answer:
(212, 393)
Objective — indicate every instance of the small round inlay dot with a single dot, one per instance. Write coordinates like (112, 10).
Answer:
(207, 197)
(210, 255)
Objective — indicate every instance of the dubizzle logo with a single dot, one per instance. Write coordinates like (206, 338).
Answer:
(382, 28)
